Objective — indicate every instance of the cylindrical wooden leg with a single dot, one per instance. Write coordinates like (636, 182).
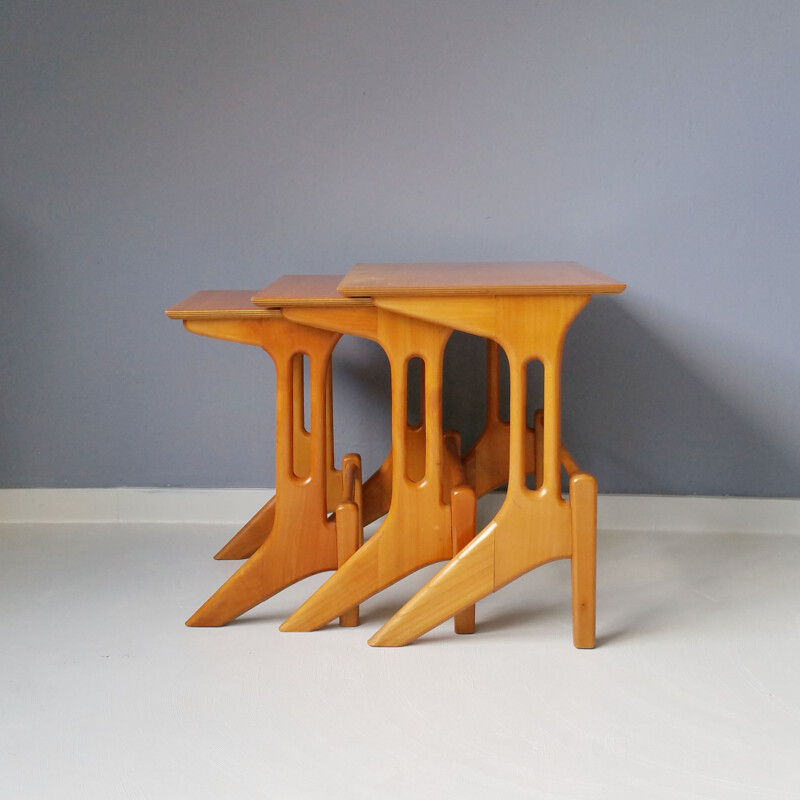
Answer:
(463, 511)
(347, 529)
(583, 501)
(349, 524)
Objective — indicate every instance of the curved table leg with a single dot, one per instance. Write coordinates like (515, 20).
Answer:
(252, 535)
(377, 489)
(533, 526)
(417, 528)
(463, 581)
(486, 464)
(302, 541)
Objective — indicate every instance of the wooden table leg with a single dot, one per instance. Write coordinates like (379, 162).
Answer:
(463, 514)
(486, 464)
(418, 528)
(302, 540)
(533, 526)
(252, 535)
(350, 523)
(377, 488)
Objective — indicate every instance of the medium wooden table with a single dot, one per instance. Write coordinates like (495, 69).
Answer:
(432, 511)
(526, 308)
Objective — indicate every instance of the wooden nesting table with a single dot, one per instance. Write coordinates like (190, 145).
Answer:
(292, 537)
(430, 490)
(527, 309)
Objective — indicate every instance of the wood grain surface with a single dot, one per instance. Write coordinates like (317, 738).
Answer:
(305, 290)
(477, 278)
(219, 303)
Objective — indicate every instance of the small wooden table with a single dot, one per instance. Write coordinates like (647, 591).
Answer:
(526, 308)
(292, 537)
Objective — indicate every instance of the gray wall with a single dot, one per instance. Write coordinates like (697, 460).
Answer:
(150, 149)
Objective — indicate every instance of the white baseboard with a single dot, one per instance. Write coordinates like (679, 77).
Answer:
(131, 505)
(707, 514)
(235, 506)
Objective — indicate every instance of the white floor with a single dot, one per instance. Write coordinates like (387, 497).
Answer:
(693, 691)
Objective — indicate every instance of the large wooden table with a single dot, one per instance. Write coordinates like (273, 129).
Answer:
(526, 308)
(429, 489)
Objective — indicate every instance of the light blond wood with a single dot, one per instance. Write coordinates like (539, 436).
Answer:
(533, 526)
(476, 278)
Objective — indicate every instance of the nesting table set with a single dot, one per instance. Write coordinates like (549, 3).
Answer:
(425, 489)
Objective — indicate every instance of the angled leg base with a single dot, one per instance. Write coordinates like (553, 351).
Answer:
(251, 536)
(361, 576)
(519, 539)
(278, 563)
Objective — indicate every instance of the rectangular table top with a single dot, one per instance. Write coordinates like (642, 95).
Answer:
(305, 290)
(476, 278)
(219, 303)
